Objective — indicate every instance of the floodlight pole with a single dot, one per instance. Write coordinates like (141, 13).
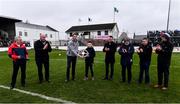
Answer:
(169, 11)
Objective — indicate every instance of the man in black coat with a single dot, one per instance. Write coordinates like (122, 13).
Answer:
(126, 51)
(42, 48)
(144, 51)
(164, 51)
(110, 49)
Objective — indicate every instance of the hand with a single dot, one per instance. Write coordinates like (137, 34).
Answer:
(124, 50)
(141, 50)
(19, 57)
(138, 51)
(158, 48)
(106, 49)
(45, 47)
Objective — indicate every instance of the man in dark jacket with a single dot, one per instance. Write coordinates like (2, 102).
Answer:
(42, 48)
(164, 51)
(144, 51)
(89, 60)
(126, 51)
(110, 49)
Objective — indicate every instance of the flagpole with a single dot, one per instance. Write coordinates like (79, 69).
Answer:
(114, 16)
(169, 10)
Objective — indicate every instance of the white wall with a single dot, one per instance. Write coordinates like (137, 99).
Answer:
(93, 33)
(33, 34)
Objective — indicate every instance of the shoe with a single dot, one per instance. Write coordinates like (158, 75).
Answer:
(105, 79)
(40, 82)
(66, 80)
(110, 79)
(92, 78)
(164, 88)
(11, 87)
(85, 78)
(23, 85)
(157, 86)
(48, 81)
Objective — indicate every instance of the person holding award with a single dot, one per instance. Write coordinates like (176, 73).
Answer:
(18, 53)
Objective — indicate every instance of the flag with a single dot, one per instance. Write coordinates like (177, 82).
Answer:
(89, 19)
(116, 10)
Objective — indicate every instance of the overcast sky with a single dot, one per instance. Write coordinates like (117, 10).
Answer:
(134, 15)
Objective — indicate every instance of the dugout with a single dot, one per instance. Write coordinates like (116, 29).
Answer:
(7, 30)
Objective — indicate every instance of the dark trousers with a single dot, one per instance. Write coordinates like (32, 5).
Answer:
(89, 65)
(71, 60)
(40, 63)
(144, 67)
(107, 69)
(16, 65)
(163, 71)
(128, 66)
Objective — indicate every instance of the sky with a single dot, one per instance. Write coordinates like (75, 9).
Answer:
(134, 16)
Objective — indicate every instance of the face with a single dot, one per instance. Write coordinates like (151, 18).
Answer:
(110, 39)
(74, 37)
(163, 39)
(42, 37)
(19, 40)
(89, 44)
(126, 42)
(144, 42)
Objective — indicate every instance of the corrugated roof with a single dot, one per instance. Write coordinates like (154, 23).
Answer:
(34, 26)
(6, 20)
(91, 27)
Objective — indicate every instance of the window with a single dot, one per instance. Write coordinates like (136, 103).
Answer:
(50, 35)
(106, 32)
(98, 32)
(20, 33)
(25, 34)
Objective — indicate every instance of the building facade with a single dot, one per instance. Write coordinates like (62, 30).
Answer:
(95, 31)
(31, 32)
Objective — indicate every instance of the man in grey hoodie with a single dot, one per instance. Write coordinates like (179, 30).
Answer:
(72, 53)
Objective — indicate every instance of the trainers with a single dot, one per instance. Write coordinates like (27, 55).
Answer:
(93, 78)
(85, 78)
(157, 86)
(164, 88)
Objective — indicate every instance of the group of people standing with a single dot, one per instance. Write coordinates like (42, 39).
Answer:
(18, 52)
(126, 50)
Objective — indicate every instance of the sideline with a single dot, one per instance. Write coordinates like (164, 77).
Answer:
(58, 100)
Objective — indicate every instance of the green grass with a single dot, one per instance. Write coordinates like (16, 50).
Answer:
(81, 91)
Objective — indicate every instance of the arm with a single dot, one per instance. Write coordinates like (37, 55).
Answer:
(104, 48)
(36, 47)
(120, 51)
(70, 46)
(10, 53)
(49, 47)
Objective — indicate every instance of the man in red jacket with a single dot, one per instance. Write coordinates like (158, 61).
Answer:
(17, 51)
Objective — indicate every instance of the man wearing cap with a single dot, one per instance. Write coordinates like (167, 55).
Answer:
(126, 51)
(42, 48)
(164, 50)
(17, 51)
(110, 49)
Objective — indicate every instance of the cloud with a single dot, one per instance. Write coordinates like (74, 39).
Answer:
(134, 15)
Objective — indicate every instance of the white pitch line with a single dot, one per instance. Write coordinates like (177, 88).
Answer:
(38, 95)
